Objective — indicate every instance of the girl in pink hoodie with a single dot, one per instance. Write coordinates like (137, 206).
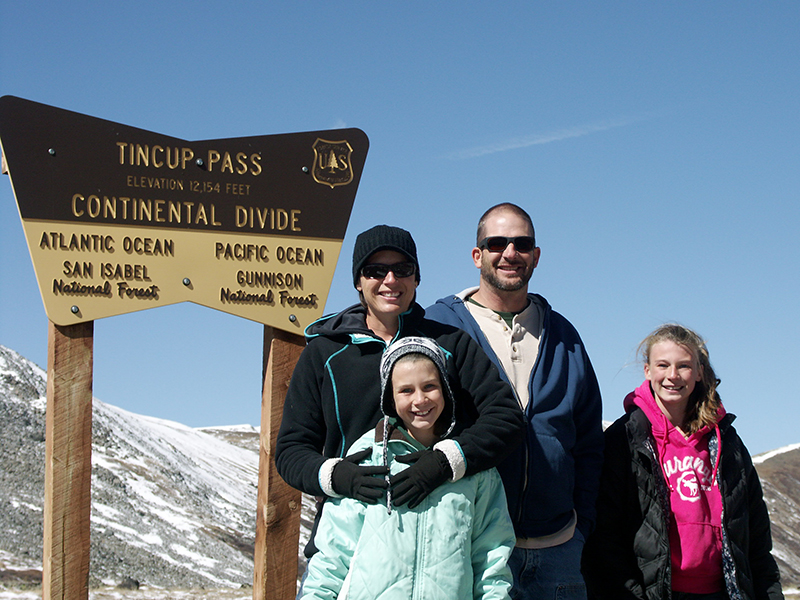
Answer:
(680, 511)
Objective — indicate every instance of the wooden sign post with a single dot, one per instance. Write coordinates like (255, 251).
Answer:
(68, 462)
(119, 219)
(278, 505)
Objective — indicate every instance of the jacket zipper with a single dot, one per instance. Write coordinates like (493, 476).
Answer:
(419, 560)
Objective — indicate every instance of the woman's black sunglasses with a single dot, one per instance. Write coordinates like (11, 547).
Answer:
(379, 271)
(498, 243)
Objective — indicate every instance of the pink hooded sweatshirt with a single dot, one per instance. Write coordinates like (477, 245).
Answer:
(695, 527)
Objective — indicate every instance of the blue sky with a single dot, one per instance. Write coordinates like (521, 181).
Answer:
(655, 146)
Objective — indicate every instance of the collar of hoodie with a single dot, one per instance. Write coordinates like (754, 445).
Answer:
(665, 432)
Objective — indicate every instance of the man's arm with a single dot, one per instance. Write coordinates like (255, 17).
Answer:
(588, 450)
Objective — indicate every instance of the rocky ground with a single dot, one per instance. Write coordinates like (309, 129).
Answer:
(160, 594)
(141, 594)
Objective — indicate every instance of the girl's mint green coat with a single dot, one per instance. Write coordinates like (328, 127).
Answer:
(453, 546)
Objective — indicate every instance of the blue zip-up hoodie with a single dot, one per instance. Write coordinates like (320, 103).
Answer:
(557, 468)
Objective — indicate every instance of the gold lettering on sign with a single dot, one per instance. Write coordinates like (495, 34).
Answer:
(126, 272)
(157, 157)
(75, 288)
(247, 252)
(148, 246)
(278, 219)
(139, 293)
(309, 301)
(144, 209)
(244, 163)
(85, 242)
(269, 279)
(76, 269)
(242, 297)
(156, 183)
(300, 256)
(204, 187)
(237, 189)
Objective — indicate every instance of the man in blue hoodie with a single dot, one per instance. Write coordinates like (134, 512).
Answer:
(551, 480)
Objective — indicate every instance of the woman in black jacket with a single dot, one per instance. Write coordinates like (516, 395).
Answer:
(334, 393)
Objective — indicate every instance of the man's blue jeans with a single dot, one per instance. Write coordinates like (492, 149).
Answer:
(549, 573)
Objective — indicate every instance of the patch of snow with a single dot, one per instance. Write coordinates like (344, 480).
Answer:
(772, 453)
(19, 595)
(13, 563)
(784, 556)
(198, 558)
(28, 505)
(117, 526)
(231, 428)
(106, 511)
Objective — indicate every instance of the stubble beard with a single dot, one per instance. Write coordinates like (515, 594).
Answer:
(489, 275)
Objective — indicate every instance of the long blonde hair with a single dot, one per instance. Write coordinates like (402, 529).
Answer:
(704, 402)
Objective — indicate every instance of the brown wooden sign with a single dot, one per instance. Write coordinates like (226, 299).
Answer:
(119, 219)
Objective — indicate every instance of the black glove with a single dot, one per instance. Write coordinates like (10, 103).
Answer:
(430, 470)
(354, 481)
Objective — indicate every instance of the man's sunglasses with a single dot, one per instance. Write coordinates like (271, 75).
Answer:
(498, 243)
(379, 271)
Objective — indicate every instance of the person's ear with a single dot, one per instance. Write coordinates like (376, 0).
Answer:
(476, 256)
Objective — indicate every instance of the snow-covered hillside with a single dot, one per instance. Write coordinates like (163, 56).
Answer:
(779, 471)
(191, 497)
(172, 506)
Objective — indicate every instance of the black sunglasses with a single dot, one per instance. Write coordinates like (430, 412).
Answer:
(379, 271)
(498, 243)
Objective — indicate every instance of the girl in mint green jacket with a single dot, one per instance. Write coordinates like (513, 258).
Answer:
(454, 545)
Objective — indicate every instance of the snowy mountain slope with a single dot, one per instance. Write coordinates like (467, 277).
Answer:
(172, 506)
(190, 499)
(779, 471)
(22, 390)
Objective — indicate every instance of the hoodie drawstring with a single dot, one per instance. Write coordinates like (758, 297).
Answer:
(662, 452)
(386, 464)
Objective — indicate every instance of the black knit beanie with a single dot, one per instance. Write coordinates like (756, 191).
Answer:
(383, 237)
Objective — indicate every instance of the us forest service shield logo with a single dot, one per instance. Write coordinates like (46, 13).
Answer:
(332, 164)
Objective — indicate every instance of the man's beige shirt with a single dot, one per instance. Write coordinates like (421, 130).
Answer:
(517, 347)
